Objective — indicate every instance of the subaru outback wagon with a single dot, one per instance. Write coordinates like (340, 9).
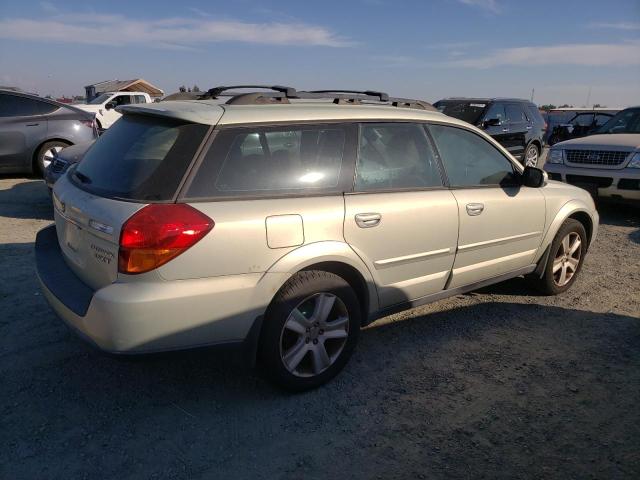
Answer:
(283, 221)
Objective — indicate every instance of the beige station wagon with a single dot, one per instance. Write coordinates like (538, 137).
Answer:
(283, 221)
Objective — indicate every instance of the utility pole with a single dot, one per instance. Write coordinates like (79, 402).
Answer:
(588, 98)
(533, 91)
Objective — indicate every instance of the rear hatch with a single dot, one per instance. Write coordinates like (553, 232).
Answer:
(141, 159)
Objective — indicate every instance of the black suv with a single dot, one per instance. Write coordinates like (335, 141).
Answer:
(516, 124)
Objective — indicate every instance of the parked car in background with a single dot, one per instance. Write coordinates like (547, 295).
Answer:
(607, 163)
(516, 124)
(62, 160)
(33, 129)
(579, 125)
(104, 105)
(283, 221)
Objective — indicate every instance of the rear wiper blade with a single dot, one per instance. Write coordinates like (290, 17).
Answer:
(82, 177)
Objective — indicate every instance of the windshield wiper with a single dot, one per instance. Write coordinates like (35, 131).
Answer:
(82, 177)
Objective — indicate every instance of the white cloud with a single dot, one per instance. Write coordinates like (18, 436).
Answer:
(489, 5)
(624, 54)
(170, 32)
(48, 7)
(617, 25)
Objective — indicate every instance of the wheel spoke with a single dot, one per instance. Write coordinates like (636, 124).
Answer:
(334, 334)
(324, 304)
(565, 244)
(575, 246)
(320, 358)
(563, 275)
(572, 264)
(557, 265)
(297, 322)
(295, 354)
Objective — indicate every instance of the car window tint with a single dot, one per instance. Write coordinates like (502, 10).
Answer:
(121, 99)
(271, 160)
(496, 110)
(140, 158)
(582, 120)
(16, 106)
(515, 113)
(395, 156)
(139, 99)
(45, 108)
(601, 119)
(469, 159)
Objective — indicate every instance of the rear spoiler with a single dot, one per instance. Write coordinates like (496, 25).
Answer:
(188, 111)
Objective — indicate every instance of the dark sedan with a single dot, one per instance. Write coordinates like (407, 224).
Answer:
(64, 159)
(33, 129)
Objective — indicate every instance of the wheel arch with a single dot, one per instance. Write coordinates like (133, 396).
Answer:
(576, 210)
(34, 155)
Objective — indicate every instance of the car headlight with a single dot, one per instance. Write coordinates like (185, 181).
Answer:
(635, 161)
(556, 156)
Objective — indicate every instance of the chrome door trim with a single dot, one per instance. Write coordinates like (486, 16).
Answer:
(497, 241)
(410, 258)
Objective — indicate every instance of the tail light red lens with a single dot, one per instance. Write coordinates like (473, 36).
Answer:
(158, 233)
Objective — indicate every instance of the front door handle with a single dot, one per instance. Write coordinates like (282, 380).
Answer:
(32, 124)
(505, 130)
(368, 220)
(474, 209)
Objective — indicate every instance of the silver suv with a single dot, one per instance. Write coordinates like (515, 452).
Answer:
(283, 221)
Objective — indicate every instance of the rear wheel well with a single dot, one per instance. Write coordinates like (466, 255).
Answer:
(34, 160)
(586, 222)
(353, 277)
(537, 143)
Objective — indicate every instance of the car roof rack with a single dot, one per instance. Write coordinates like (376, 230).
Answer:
(282, 94)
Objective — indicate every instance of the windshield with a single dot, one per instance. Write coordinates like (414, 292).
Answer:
(468, 111)
(100, 99)
(626, 121)
(140, 158)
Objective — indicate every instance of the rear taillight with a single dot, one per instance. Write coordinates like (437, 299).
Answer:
(158, 233)
(88, 123)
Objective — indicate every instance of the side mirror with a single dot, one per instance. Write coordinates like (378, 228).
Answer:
(492, 122)
(110, 105)
(534, 177)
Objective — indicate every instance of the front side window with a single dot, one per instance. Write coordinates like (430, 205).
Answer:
(303, 159)
(100, 99)
(496, 110)
(582, 120)
(395, 156)
(121, 100)
(469, 159)
(601, 119)
(626, 121)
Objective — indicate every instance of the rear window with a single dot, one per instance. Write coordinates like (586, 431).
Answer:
(140, 158)
(293, 159)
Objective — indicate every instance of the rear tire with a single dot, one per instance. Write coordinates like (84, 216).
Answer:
(566, 257)
(310, 330)
(45, 154)
(531, 155)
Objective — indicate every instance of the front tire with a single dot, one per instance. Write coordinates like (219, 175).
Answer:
(46, 153)
(565, 260)
(310, 330)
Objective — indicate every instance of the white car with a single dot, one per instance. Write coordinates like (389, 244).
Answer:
(104, 105)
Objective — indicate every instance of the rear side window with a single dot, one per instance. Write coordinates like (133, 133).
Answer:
(515, 113)
(140, 158)
(395, 156)
(303, 159)
(534, 114)
(470, 160)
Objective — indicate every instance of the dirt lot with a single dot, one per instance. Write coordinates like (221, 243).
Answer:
(500, 383)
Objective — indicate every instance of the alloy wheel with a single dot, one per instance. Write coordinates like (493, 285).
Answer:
(49, 155)
(314, 335)
(567, 259)
(531, 157)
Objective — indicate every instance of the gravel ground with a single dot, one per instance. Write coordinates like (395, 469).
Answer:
(499, 383)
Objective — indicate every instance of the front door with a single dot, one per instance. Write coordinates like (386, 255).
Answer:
(501, 222)
(519, 126)
(400, 219)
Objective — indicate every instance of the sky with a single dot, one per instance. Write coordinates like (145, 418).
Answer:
(569, 51)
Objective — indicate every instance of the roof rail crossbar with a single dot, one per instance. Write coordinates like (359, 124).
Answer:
(289, 92)
(384, 97)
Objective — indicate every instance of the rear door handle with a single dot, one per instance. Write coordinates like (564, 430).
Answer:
(505, 129)
(474, 209)
(529, 127)
(368, 220)
(32, 124)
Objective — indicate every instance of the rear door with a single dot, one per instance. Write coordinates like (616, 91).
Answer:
(22, 129)
(518, 129)
(501, 222)
(400, 219)
(140, 160)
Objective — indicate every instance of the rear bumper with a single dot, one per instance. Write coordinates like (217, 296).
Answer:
(616, 184)
(150, 317)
